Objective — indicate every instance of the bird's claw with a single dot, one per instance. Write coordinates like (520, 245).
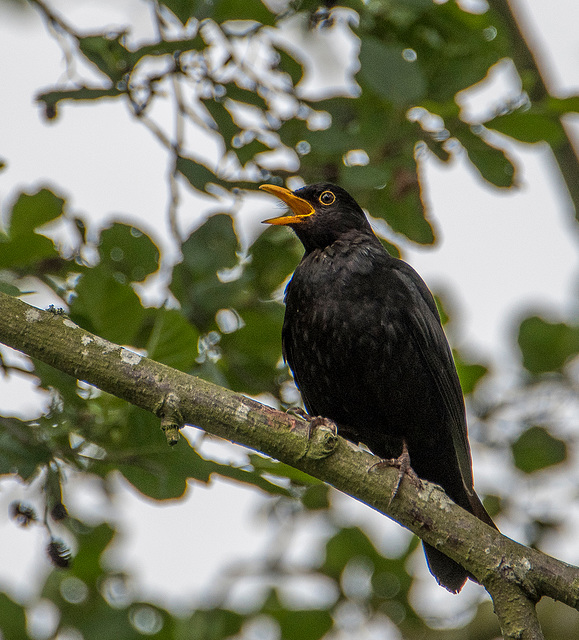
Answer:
(299, 412)
(322, 437)
(402, 463)
(319, 421)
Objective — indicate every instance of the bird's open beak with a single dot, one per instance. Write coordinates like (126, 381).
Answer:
(301, 208)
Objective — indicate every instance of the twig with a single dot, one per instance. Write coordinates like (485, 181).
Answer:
(527, 59)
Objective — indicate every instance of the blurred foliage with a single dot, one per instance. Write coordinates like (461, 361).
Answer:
(536, 449)
(547, 346)
(246, 88)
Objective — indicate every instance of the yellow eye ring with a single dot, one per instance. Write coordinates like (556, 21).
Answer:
(327, 198)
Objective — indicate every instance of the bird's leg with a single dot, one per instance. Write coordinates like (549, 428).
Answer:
(322, 437)
(316, 422)
(402, 463)
(313, 421)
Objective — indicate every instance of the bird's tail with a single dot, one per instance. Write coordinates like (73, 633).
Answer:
(448, 573)
(477, 509)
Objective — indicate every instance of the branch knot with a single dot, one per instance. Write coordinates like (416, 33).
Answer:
(171, 419)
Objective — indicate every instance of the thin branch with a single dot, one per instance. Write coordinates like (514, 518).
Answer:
(66, 36)
(179, 133)
(528, 61)
(180, 112)
(516, 612)
(54, 18)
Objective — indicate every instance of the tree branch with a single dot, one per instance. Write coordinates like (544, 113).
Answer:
(515, 576)
(528, 63)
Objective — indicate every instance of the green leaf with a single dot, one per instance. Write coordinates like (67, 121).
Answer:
(275, 468)
(214, 624)
(245, 96)
(248, 151)
(454, 46)
(170, 47)
(224, 122)
(209, 249)
(220, 10)
(469, 373)
(252, 478)
(103, 608)
(392, 249)
(293, 131)
(173, 340)
(546, 346)
(12, 619)
(137, 448)
(439, 151)
(388, 74)
(316, 497)
(492, 163)
(198, 175)
(561, 106)
(304, 624)
(529, 127)
(400, 204)
(536, 449)
(250, 354)
(351, 544)
(330, 141)
(441, 306)
(51, 378)
(109, 55)
(289, 64)
(127, 250)
(21, 450)
(10, 289)
(182, 9)
(92, 544)
(364, 177)
(31, 211)
(265, 274)
(107, 307)
(52, 98)
(23, 247)
(26, 251)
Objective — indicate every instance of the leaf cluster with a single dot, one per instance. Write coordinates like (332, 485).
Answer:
(400, 98)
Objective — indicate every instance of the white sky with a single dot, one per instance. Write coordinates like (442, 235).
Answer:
(500, 252)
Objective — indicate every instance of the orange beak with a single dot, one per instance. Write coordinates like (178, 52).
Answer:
(300, 208)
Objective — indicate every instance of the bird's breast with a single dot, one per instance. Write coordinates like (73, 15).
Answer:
(344, 336)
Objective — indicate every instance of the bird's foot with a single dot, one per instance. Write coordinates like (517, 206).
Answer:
(317, 422)
(313, 421)
(299, 412)
(322, 434)
(322, 437)
(402, 463)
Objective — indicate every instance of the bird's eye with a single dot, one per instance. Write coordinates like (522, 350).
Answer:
(327, 197)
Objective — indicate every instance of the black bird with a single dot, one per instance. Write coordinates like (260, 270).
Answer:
(364, 341)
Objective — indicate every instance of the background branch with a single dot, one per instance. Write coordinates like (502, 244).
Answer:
(533, 73)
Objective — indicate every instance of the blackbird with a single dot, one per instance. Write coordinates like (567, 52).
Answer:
(363, 338)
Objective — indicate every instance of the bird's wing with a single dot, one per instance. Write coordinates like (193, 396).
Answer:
(427, 334)
(289, 356)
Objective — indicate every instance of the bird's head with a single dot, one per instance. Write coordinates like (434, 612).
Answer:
(319, 213)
